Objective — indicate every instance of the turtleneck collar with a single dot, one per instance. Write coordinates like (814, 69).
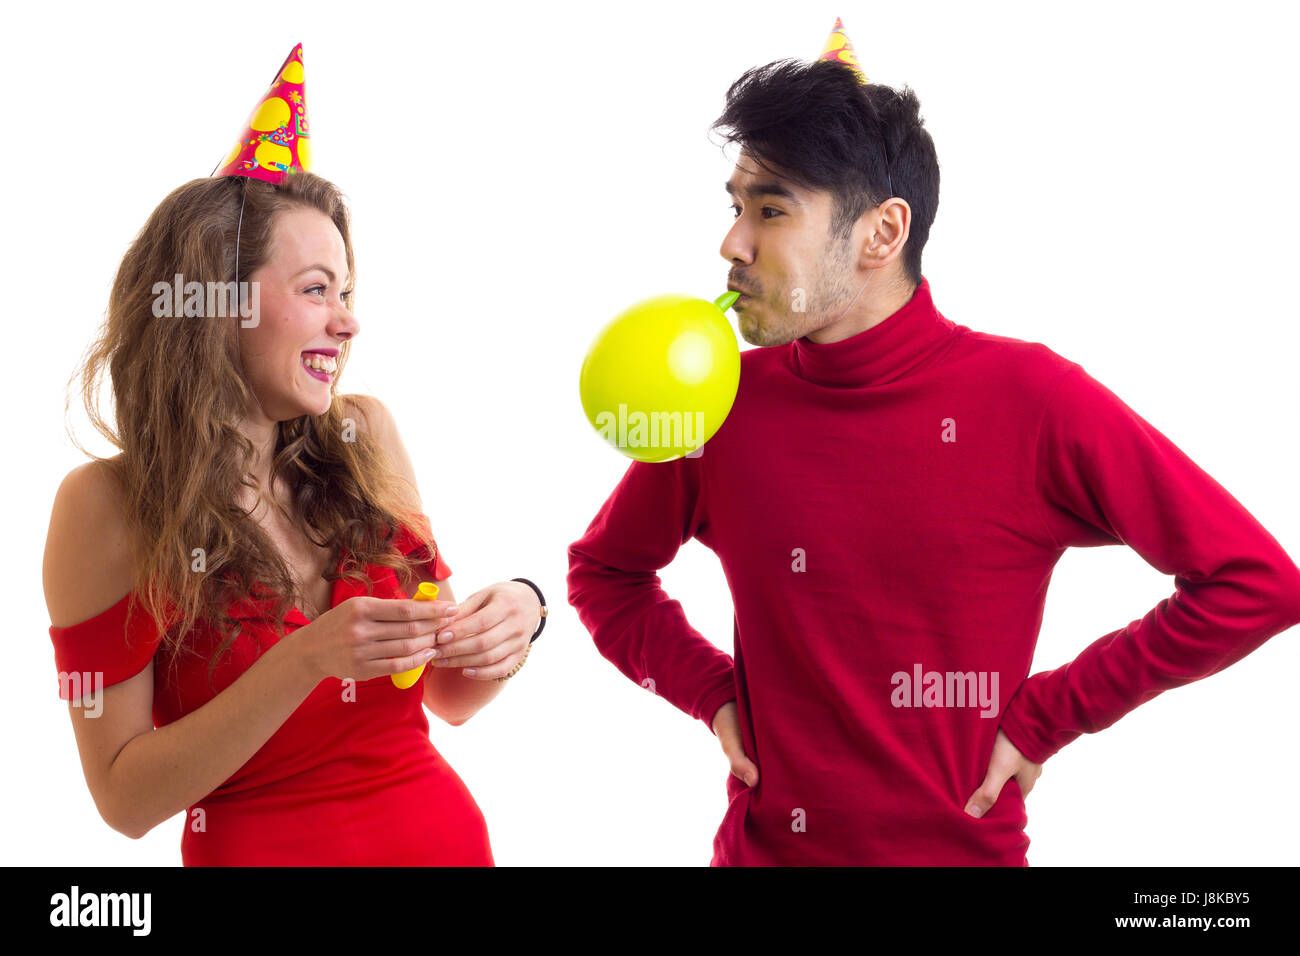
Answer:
(881, 354)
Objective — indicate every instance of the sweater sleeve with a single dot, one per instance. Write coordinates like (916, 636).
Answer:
(1106, 476)
(614, 587)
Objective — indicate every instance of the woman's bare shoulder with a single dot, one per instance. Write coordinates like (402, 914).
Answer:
(88, 562)
(381, 423)
(374, 414)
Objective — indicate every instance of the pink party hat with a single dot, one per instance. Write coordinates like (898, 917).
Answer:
(277, 141)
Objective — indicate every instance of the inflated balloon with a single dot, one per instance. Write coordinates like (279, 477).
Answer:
(660, 378)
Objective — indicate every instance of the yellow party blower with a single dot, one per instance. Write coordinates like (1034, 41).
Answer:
(427, 591)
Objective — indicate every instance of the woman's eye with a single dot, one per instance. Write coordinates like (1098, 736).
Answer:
(320, 290)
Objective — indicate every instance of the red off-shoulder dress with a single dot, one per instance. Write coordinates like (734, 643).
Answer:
(350, 778)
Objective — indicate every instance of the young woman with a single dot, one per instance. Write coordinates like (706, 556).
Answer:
(229, 594)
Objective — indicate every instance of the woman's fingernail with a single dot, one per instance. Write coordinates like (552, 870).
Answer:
(445, 636)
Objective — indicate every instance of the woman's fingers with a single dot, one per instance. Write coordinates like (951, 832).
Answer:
(395, 635)
(405, 628)
(478, 615)
(475, 636)
(477, 623)
(408, 609)
(398, 665)
(490, 647)
(500, 669)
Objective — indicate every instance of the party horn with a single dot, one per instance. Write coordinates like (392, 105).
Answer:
(427, 591)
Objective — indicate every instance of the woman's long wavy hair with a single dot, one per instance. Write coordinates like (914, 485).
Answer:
(180, 395)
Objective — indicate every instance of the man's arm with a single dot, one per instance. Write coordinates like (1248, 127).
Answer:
(1106, 476)
(616, 591)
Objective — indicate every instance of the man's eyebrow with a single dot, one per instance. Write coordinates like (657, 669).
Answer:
(768, 187)
(327, 271)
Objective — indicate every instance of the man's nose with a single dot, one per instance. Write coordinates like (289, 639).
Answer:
(736, 247)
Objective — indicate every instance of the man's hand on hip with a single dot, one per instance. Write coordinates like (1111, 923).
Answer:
(1006, 762)
(726, 725)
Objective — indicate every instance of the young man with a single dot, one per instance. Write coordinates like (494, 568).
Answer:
(888, 498)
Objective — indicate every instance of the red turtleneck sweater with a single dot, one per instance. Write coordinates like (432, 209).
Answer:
(888, 510)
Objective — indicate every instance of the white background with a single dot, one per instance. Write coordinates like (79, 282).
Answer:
(1118, 183)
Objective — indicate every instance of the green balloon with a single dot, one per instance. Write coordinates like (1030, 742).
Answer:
(661, 377)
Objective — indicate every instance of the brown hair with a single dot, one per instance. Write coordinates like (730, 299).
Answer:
(179, 396)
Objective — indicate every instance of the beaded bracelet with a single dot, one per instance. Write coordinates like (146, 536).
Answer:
(541, 624)
(516, 667)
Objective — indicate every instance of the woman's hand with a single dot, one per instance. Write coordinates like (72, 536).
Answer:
(491, 632)
(1006, 762)
(367, 637)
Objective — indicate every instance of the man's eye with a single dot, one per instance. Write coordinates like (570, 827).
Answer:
(766, 209)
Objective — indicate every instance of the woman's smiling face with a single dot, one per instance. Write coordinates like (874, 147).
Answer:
(303, 290)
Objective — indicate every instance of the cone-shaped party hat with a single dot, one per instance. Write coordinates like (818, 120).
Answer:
(839, 49)
(276, 142)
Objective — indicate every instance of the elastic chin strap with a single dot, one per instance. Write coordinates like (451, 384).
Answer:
(239, 295)
(239, 230)
(855, 299)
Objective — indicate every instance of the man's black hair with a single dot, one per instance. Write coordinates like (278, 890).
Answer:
(827, 131)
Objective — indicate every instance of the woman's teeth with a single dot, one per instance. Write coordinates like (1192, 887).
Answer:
(321, 363)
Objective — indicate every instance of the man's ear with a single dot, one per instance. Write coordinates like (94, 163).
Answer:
(881, 232)
(895, 225)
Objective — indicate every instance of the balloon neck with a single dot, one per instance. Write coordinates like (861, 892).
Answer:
(725, 300)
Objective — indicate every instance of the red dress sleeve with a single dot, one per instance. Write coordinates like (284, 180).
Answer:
(104, 645)
(408, 544)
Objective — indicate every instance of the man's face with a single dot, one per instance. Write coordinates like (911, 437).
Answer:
(795, 277)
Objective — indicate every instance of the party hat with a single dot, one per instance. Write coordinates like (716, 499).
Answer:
(839, 49)
(276, 142)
